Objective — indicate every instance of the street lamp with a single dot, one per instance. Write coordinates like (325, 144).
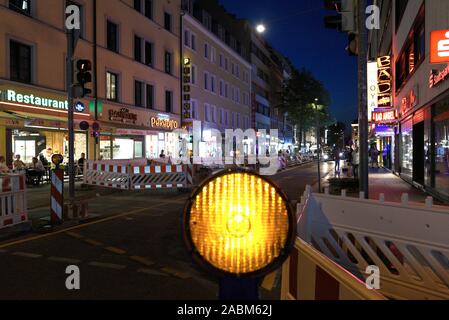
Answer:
(318, 143)
(260, 28)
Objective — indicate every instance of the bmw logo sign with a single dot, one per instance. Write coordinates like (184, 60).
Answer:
(79, 107)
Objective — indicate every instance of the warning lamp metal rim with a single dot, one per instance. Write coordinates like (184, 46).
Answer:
(272, 266)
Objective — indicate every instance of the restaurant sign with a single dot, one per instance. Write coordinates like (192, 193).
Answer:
(123, 115)
(32, 99)
(187, 78)
(164, 123)
(385, 116)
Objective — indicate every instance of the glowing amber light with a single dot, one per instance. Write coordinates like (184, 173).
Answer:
(239, 223)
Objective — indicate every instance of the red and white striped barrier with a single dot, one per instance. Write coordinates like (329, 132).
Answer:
(57, 195)
(309, 275)
(107, 175)
(13, 202)
(129, 177)
(158, 177)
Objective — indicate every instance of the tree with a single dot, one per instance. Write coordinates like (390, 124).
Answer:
(299, 98)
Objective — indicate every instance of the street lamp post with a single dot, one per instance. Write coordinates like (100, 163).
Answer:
(318, 144)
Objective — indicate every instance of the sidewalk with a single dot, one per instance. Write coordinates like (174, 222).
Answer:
(383, 181)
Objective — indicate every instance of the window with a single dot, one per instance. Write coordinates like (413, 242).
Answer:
(150, 96)
(221, 89)
(168, 101)
(232, 68)
(213, 54)
(221, 116)
(237, 71)
(206, 51)
(206, 81)
(194, 109)
(187, 38)
(226, 90)
(226, 64)
(220, 60)
(168, 62)
(21, 6)
(193, 42)
(401, 5)
(413, 52)
(148, 53)
(193, 74)
(227, 118)
(112, 36)
(111, 86)
(138, 93)
(237, 120)
(206, 112)
(237, 95)
(149, 9)
(137, 48)
(213, 115)
(167, 21)
(20, 62)
(212, 83)
(138, 5)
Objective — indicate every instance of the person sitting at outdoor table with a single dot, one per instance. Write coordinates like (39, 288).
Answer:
(35, 171)
(3, 167)
(18, 164)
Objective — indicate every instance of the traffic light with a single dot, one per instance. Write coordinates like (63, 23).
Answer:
(95, 130)
(191, 139)
(83, 77)
(344, 21)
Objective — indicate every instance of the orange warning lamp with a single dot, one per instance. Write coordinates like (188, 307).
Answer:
(238, 223)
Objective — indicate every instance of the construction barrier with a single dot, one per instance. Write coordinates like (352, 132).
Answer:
(408, 242)
(129, 177)
(57, 196)
(99, 173)
(309, 275)
(13, 201)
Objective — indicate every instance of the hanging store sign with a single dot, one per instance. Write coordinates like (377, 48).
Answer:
(372, 87)
(123, 115)
(437, 77)
(187, 78)
(384, 82)
(387, 116)
(439, 46)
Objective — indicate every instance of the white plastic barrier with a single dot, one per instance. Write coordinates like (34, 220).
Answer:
(13, 202)
(408, 242)
(309, 275)
(127, 177)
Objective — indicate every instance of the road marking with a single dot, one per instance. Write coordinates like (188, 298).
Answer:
(93, 242)
(27, 255)
(42, 236)
(176, 273)
(268, 281)
(75, 235)
(142, 260)
(107, 265)
(115, 250)
(152, 272)
(64, 260)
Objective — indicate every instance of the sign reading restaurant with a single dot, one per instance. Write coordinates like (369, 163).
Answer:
(32, 99)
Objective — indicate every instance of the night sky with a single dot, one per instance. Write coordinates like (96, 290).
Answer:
(296, 29)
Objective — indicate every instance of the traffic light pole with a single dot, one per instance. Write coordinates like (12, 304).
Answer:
(363, 103)
(71, 43)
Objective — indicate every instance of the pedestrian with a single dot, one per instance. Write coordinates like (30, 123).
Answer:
(337, 159)
(81, 162)
(374, 154)
(162, 155)
(3, 167)
(355, 162)
(18, 164)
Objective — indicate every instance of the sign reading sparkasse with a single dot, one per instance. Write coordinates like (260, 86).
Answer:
(439, 46)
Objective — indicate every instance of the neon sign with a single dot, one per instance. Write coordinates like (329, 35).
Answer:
(187, 77)
(385, 116)
(436, 77)
(384, 82)
(439, 46)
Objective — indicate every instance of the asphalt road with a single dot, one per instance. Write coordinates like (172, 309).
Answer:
(135, 252)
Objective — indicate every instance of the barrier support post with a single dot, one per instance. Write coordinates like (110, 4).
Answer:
(57, 195)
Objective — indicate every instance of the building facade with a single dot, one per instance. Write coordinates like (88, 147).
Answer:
(219, 74)
(134, 50)
(415, 37)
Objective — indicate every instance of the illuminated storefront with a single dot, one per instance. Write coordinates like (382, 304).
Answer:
(131, 133)
(33, 123)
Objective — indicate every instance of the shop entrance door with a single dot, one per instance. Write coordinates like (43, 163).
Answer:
(418, 153)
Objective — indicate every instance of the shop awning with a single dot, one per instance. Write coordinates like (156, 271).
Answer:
(123, 129)
(10, 119)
